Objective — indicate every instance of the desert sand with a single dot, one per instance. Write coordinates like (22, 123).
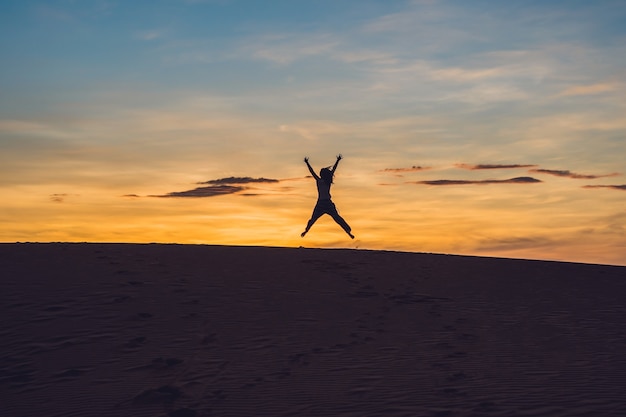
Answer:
(185, 330)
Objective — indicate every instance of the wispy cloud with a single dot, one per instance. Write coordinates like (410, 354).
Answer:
(210, 191)
(517, 180)
(589, 89)
(314, 129)
(58, 198)
(614, 187)
(221, 186)
(513, 243)
(284, 49)
(414, 168)
(493, 166)
(62, 197)
(149, 35)
(240, 180)
(569, 174)
(49, 13)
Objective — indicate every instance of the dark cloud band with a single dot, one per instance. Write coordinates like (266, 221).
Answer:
(210, 191)
(221, 186)
(569, 174)
(414, 168)
(493, 166)
(517, 180)
(240, 180)
(614, 187)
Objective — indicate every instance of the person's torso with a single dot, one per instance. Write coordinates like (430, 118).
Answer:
(323, 190)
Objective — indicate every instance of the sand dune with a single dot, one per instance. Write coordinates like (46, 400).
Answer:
(180, 331)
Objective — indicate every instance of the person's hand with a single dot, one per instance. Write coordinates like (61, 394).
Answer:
(306, 159)
(339, 157)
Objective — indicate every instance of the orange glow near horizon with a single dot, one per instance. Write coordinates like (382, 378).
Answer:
(508, 220)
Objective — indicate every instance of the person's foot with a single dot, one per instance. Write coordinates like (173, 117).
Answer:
(303, 233)
(351, 235)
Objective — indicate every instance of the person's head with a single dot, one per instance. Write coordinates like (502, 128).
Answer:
(327, 175)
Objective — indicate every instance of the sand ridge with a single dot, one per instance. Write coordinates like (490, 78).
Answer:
(193, 330)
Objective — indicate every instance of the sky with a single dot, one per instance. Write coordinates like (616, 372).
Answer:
(479, 127)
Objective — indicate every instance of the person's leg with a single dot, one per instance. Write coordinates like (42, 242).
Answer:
(316, 215)
(341, 222)
(344, 225)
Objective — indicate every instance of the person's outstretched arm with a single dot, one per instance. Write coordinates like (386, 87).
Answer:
(306, 160)
(337, 162)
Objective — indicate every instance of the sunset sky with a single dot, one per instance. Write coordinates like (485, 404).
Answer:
(484, 127)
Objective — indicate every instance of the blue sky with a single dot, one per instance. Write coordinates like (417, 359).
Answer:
(105, 99)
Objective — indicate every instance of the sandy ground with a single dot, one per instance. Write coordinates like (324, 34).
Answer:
(183, 331)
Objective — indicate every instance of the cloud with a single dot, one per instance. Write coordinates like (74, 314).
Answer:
(61, 197)
(58, 198)
(240, 180)
(517, 180)
(149, 35)
(493, 166)
(210, 191)
(414, 168)
(586, 90)
(615, 187)
(48, 13)
(314, 129)
(221, 186)
(514, 243)
(569, 174)
(283, 49)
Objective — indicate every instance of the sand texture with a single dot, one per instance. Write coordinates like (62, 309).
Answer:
(183, 331)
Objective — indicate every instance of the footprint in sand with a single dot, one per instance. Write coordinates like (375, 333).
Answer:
(160, 363)
(162, 395)
(183, 412)
(299, 359)
(72, 372)
(209, 338)
(157, 364)
(135, 343)
(459, 376)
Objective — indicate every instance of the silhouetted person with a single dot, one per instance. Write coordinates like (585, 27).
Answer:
(324, 204)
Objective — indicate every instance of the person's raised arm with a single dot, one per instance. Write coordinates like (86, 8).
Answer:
(306, 160)
(339, 157)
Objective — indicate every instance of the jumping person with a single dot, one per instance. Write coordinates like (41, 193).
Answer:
(324, 204)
